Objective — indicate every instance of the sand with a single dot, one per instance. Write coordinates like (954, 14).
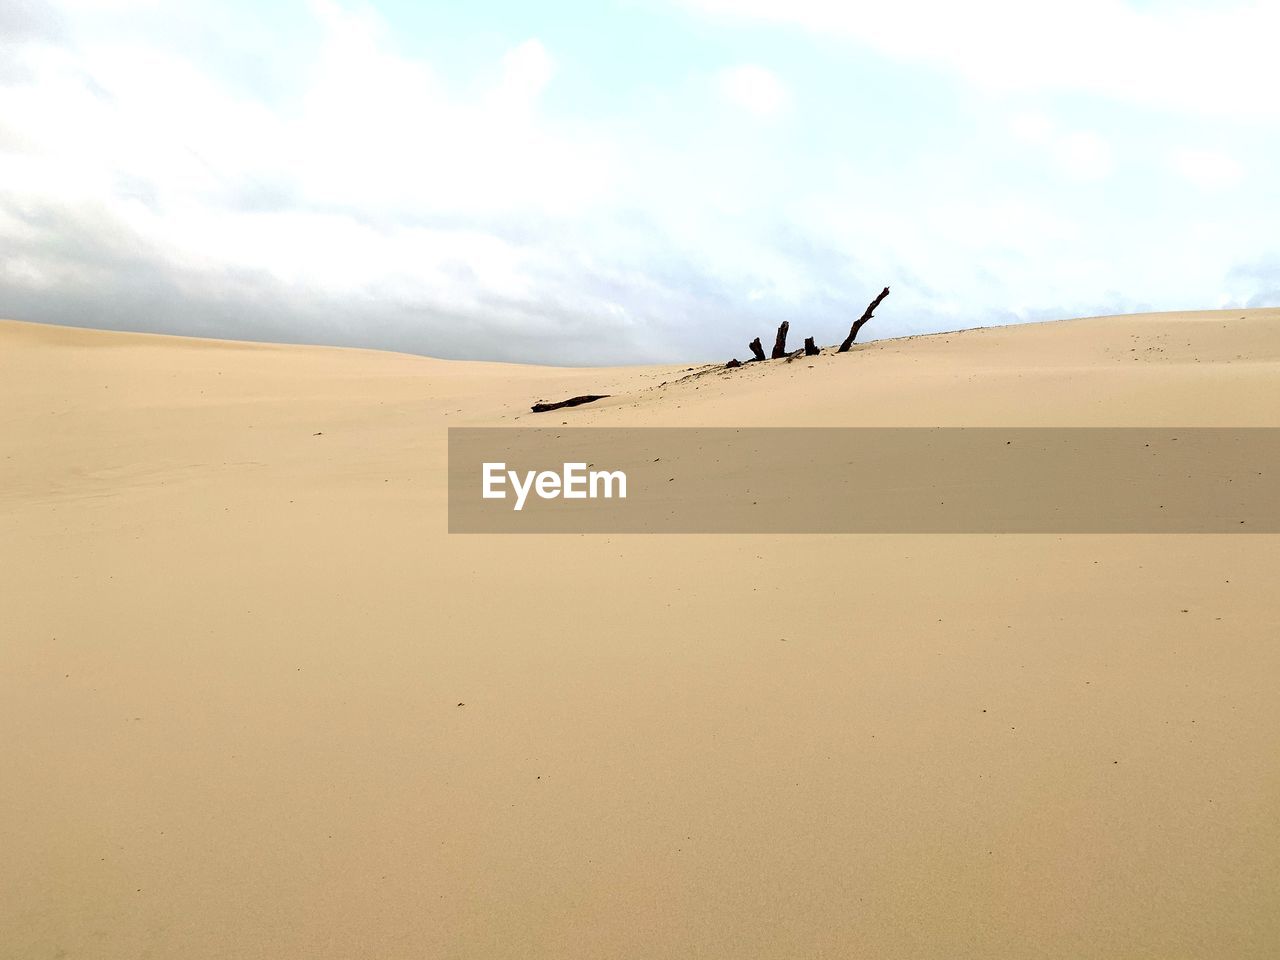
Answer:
(256, 702)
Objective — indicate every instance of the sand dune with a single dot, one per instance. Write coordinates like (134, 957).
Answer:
(256, 701)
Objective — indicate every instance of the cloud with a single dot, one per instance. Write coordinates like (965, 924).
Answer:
(1213, 59)
(1208, 169)
(1032, 128)
(527, 70)
(374, 208)
(752, 88)
(1078, 154)
(1257, 283)
(1085, 155)
(372, 204)
(29, 20)
(316, 179)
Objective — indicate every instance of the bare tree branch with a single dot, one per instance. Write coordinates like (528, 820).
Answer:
(857, 324)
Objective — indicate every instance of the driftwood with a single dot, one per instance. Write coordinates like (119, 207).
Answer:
(857, 324)
(733, 363)
(811, 349)
(571, 402)
(780, 342)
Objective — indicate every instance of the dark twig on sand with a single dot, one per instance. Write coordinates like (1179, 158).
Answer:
(571, 402)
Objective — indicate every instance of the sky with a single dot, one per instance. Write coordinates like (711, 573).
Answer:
(631, 181)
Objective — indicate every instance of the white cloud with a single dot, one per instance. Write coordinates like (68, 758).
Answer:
(1207, 169)
(376, 184)
(361, 196)
(526, 71)
(1218, 60)
(752, 88)
(1078, 154)
(1032, 128)
(1085, 156)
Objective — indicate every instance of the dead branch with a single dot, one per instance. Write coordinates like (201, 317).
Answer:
(757, 350)
(857, 324)
(780, 342)
(571, 402)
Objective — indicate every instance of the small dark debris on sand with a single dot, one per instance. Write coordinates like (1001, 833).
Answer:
(571, 402)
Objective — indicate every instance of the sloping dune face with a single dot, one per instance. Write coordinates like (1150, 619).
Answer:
(256, 701)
